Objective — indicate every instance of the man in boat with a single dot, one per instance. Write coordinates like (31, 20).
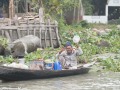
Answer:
(68, 55)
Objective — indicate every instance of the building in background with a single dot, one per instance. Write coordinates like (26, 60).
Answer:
(8, 8)
(111, 12)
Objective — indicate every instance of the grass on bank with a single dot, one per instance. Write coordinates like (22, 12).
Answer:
(89, 42)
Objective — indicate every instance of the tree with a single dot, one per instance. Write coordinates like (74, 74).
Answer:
(56, 7)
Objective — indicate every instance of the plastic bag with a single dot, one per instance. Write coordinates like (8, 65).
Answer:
(76, 39)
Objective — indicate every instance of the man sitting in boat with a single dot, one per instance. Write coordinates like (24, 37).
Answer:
(68, 56)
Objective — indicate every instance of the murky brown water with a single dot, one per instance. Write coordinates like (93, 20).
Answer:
(90, 81)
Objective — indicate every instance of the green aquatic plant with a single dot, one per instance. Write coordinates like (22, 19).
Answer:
(8, 59)
(90, 40)
(4, 41)
(1, 59)
(33, 55)
(47, 53)
(111, 64)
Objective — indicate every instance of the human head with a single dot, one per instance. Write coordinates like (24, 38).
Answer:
(68, 47)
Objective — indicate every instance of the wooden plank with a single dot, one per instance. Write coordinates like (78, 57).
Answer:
(40, 32)
(58, 39)
(8, 27)
(8, 36)
(24, 26)
(45, 37)
(18, 33)
(50, 32)
(3, 32)
(28, 32)
(37, 26)
(34, 28)
(44, 30)
(11, 35)
(17, 30)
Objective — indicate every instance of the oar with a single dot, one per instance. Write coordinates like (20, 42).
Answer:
(87, 65)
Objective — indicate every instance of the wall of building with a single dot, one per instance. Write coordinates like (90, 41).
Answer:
(102, 19)
(96, 19)
(114, 3)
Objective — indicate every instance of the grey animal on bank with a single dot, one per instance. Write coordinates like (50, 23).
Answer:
(25, 45)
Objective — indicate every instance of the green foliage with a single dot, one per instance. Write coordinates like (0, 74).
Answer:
(48, 53)
(114, 39)
(87, 4)
(8, 59)
(59, 7)
(3, 41)
(33, 55)
(56, 8)
(89, 39)
(111, 64)
(1, 59)
(82, 23)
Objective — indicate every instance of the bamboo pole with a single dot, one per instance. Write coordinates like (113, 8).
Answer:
(34, 30)
(45, 37)
(56, 30)
(50, 32)
(11, 9)
(74, 14)
(79, 11)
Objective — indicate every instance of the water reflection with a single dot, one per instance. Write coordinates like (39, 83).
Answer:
(91, 81)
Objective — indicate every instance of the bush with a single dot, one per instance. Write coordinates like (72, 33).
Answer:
(3, 42)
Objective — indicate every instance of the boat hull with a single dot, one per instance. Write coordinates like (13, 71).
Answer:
(15, 74)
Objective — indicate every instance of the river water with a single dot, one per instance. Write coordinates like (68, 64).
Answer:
(90, 81)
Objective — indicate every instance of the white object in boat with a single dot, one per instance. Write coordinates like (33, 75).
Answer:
(74, 67)
(20, 65)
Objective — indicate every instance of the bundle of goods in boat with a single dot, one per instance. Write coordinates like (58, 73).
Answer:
(37, 65)
(17, 65)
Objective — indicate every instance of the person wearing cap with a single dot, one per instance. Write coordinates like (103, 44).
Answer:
(68, 55)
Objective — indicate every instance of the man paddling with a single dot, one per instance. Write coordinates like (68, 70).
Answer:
(68, 55)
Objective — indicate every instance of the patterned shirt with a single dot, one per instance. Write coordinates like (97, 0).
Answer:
(69, 59)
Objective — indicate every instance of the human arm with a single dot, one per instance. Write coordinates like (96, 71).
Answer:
(60, 52)
(78, 50)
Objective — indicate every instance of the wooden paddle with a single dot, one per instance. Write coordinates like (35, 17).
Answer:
(87, 65)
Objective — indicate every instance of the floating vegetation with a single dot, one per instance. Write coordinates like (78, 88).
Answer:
(8, 59)
(48, 53)
(105, 39)
(3, 41)
(111, 64)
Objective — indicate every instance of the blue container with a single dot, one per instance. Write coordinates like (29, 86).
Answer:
(49, 66)
(57, 65)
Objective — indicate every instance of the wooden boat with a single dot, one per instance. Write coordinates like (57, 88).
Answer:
(16, 74)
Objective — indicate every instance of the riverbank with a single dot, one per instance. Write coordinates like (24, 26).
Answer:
(96, 39)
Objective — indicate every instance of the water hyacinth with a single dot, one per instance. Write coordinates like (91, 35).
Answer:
(111, 64)
(3, 41)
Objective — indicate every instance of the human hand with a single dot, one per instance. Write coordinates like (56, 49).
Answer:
(62, 49)
(77, 45)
